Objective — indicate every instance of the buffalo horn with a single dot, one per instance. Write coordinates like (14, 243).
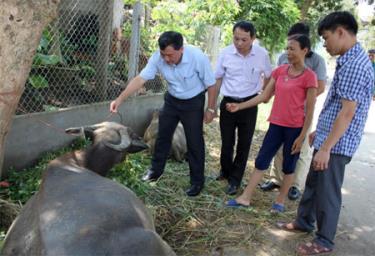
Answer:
(124, 143)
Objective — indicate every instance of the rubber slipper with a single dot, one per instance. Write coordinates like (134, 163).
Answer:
(312, 248)
(277, 208)
(234, 204)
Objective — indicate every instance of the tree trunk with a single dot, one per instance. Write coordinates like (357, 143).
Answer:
(305, 8)
(212, 43)
(21, 26)
(135, 41)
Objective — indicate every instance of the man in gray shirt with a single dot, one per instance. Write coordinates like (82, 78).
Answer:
(317, 64)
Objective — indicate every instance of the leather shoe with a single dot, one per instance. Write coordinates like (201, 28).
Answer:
(194, 190)
(151, 176)
(294, 193)
(269, 185)
(232, 190)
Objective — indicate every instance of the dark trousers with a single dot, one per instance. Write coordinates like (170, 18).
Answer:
(321, 200)
(190, 113)
(276, 136)
(244, 122)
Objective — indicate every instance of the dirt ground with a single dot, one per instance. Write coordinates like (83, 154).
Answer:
(356, 230)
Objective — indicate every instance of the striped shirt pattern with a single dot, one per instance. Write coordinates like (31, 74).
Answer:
(353, 81)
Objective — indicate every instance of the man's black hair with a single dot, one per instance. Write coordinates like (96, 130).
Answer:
(245, 26)
(171, 38)
(299, 28)
(336, 19)
(372, 51)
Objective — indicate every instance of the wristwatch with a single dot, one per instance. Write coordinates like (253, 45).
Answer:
(211, 110)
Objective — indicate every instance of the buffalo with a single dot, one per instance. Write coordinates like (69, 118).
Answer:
(178, 147)
(77, 211)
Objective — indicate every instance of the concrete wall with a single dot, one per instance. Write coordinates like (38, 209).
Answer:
(32, 135)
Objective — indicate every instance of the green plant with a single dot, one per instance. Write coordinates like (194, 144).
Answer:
(26, 183)
(129, 172)
(38, 81)
(272, 19)
(43, 58)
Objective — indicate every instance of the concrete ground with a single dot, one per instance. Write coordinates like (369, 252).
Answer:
(356, 233)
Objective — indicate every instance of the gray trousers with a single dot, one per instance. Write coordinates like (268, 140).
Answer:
(321, 200)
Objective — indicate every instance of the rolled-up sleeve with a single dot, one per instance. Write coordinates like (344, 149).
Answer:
(205, 71)
(220, 71)
(352, 84)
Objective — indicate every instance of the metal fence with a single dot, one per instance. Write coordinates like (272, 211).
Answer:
(81, 59)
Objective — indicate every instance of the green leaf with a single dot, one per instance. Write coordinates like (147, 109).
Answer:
(49, 108)
(88, 70)
(38, 81)
(43, 59)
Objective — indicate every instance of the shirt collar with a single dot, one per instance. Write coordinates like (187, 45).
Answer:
(185, 57)
(349, 54)
(235, 52)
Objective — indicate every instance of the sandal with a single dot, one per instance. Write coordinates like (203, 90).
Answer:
(290, 226)
(312, 248)
(277, 208)
(234, 204)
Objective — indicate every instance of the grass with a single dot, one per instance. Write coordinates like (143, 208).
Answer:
(192, 226)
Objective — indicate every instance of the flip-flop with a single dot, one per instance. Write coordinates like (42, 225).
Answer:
(277, 208)
(312, 248)
(284, 226)
(232, 203)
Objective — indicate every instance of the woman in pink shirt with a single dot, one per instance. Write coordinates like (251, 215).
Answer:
(295, 89)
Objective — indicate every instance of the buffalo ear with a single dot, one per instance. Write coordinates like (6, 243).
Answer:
(136, 146)
(74, 130)
(84, 131)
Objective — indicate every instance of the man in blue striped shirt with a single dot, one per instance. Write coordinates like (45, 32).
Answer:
(188, 73)
(338, 133)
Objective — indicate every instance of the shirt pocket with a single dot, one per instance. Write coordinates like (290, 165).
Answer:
(253, 74)
(190, 78)
(233, 68)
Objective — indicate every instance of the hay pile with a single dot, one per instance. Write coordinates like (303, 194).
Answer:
(202, 225)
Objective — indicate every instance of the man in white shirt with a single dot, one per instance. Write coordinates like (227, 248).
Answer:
(241, 70)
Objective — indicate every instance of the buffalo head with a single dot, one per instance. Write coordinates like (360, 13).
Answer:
(110, 144)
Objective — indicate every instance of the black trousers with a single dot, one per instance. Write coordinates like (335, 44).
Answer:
(244, 122)
(190, 113)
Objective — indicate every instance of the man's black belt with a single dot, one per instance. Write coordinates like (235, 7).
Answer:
(238, 100)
